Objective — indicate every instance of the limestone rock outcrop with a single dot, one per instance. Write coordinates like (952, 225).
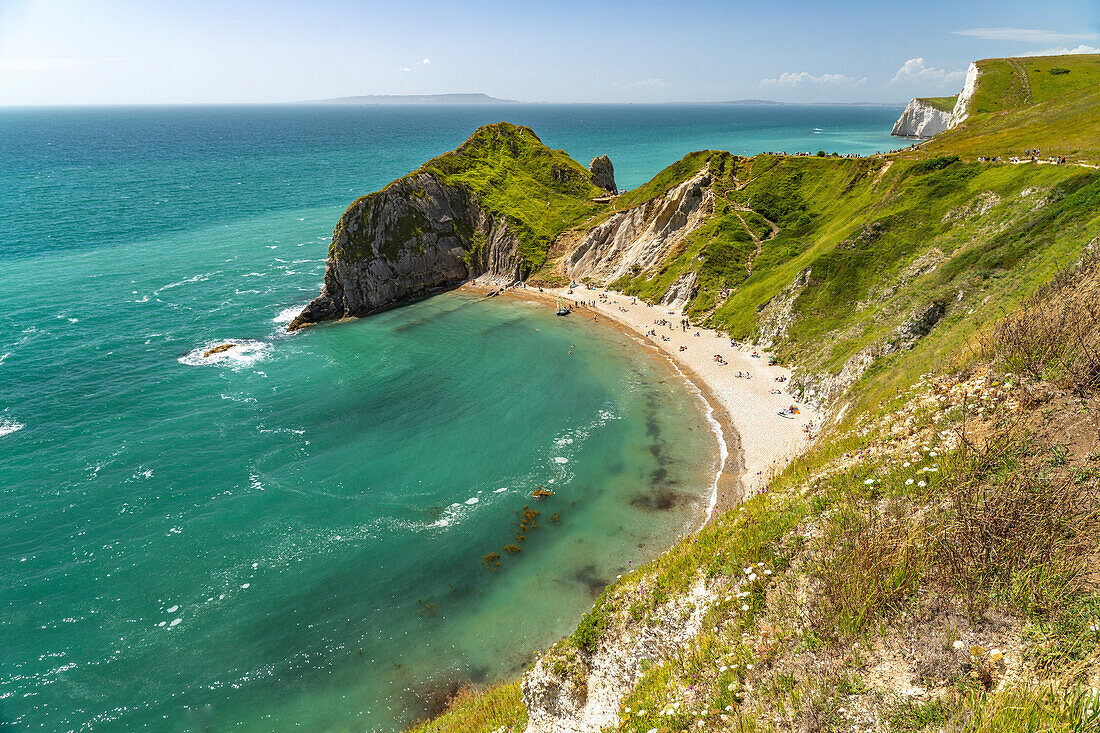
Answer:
(921, 119)
(603, 173)
(640, 238)
(415, 237)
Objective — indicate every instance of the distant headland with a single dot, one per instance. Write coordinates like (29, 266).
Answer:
(477, 98)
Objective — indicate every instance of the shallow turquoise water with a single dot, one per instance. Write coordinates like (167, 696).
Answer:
(295, 536)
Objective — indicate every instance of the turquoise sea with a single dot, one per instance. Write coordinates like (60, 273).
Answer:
(294, 535)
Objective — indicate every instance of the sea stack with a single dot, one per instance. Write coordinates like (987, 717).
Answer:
(603, 173)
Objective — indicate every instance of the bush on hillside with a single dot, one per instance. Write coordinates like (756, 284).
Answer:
(935, 164)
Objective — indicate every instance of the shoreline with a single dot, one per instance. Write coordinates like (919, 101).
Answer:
(752, 438)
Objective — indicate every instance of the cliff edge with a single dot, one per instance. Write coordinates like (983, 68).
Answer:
(924, 117)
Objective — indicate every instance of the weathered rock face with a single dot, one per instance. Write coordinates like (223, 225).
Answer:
(641, 238)
(603, 173)
(821, 390)
(586, 698)
(921, 119)
(776, 315)
(962, 104)
(681, 291)
(415, 237)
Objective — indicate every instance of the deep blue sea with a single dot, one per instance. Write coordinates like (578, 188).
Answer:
(293, 535)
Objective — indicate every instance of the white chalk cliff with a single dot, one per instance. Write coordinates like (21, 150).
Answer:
(962, 104)
(921, 119)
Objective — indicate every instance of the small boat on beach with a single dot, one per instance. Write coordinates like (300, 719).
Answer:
(562, 310)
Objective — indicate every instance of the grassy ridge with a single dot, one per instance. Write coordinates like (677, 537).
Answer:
(1064, 126)
(541, 192)
(943, 104)
(1013, 83)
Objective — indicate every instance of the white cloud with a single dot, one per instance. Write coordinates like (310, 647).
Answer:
(40, 64)
(404, 68)
(1063, 51)
(1025, 35)
(792, 78)
(916, 70)
(425, 62)
(648, 83)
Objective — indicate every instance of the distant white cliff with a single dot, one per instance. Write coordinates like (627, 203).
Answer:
(921, 119)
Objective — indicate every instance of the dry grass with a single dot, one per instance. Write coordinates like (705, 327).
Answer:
(1055, 334)
(1019, 528)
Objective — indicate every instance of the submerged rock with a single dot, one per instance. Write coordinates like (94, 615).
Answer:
(217, 350)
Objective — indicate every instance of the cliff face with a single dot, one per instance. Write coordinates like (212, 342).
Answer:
(416, 237)
(641, 237)
(962, 104)
(921, 119)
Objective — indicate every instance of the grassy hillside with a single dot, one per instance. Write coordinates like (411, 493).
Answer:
(943, 104)
(881, 243)
(1066, 126)
(1013, 83)
(542, 192)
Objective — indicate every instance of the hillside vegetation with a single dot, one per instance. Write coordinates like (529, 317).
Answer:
(1066, 126)
(540, 191)
(932, 562)
(943, 104)
(1014, 83)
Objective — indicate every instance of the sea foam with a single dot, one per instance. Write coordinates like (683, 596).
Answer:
(7, 427)
(244, 352)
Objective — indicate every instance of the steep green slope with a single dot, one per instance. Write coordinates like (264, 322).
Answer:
(540, 191)
(1012, 83)
(1066, 126)
(931, 563)
(881, 243)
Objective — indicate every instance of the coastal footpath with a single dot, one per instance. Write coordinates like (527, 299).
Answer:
(929, 560)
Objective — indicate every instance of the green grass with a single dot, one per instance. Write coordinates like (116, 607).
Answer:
(537, 191)
(943, 104)
(481, 711)
(541, 192)
(1067, 127)
(986, 235)
(1012, 83)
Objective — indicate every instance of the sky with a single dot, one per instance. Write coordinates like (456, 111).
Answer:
(68, 52)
